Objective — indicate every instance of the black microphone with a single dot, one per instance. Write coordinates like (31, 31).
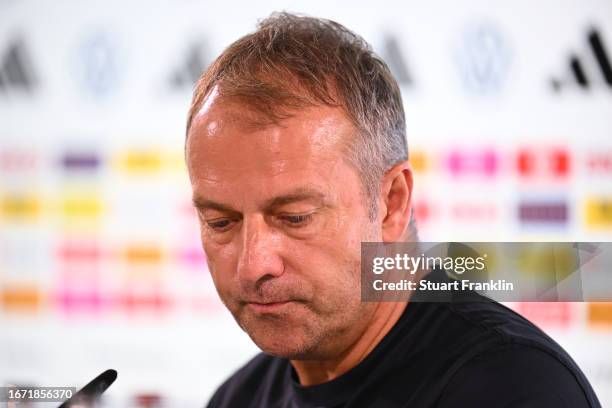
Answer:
(92, 391)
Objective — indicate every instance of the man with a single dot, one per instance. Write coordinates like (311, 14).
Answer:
(296, 153)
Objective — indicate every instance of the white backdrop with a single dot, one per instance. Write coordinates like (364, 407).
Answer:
(100, 265)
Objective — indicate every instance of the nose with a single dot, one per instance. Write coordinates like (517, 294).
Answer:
(259, 253)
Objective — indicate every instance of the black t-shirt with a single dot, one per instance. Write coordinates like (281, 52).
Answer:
(447, 354)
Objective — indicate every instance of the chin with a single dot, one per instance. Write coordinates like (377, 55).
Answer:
(293, 351)
(283, 342)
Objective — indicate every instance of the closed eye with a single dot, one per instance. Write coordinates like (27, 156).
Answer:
(296, 220)
(219, 225)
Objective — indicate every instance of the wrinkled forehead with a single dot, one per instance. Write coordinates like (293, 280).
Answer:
(229, 159)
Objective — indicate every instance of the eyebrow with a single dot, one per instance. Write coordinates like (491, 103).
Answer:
(297, 195)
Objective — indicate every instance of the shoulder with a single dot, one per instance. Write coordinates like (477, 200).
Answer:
(511, 360)
(519, 376)
(465, 328)
(472, 315)
(243, 387)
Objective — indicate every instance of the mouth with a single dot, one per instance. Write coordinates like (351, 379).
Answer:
(269, 307)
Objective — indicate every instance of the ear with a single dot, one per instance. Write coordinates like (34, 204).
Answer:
(395, 208)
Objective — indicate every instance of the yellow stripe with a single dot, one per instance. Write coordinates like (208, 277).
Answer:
(598, 212)
(81, 206)
(140, 161)
(20, 207)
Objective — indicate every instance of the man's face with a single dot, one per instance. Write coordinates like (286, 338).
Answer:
(282, 218)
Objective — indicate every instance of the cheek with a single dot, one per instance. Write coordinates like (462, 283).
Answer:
(332, 264)
(221, 261)
(342, 259)
(346, 238)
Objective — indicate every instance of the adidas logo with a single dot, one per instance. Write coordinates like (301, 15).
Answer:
(16, 69)
(393, 56)
(591, 69)
(186, 75)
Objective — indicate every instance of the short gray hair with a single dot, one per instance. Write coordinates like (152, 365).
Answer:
(291, 62)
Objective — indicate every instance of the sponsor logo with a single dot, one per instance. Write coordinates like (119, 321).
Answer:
(190, 68)
(16, 72)
(592, 68)
(547, 314)
(21, 298)
(145, 301)
(98, 65)
(395, 59)
(143, 255)
(475, 211)
(600, 162)
(17, 161)
(538, 212)
(552, 162)
(600, 314)
(483, 59)
(82, 251)
(599, 212)
(80, 206)
(482, 162)
(20, 207)
(80, 161)
(140, 161)
(80, 299)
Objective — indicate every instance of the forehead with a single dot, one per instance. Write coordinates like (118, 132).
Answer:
(225, 150)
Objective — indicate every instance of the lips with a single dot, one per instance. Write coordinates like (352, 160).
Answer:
(269, 307)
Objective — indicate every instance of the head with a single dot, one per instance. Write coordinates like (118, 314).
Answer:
(296, 153)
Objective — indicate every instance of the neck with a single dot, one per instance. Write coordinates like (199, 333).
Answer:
(312, 372)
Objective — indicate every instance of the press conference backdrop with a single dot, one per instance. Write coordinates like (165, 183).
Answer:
(509, 116)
